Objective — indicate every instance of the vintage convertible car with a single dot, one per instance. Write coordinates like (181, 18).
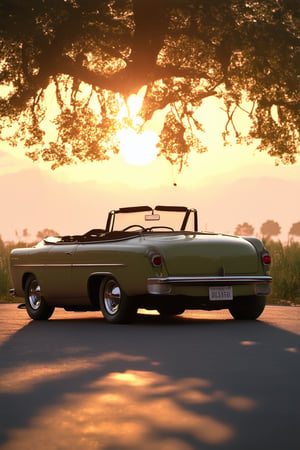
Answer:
(151, 258)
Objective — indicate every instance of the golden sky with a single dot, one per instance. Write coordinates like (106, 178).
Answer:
(101, 186)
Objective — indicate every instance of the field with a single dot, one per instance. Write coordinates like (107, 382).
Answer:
(285, 270)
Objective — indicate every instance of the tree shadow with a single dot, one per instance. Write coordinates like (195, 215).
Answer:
(184, 383)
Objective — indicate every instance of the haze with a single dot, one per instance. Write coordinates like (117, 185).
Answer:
(227, 185)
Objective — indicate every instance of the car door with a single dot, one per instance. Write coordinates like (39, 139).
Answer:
(89, 258)
(94, 258)
(56, 278)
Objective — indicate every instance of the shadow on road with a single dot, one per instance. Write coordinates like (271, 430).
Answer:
(184, 383)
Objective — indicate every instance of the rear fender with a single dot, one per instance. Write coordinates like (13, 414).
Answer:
(93, 286)
(255, 242)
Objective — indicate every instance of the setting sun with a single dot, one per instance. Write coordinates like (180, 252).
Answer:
(138, 149)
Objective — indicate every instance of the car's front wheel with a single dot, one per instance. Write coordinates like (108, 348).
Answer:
(36, 306)
(115, 305)
(248, 308)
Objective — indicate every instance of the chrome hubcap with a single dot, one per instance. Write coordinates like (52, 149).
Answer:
(34, 296)
(112, 297)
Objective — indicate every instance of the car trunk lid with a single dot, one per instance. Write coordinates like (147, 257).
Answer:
(207, 254)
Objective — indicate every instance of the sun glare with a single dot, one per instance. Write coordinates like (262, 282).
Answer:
(130, 108)
(138, 149)
(134, 104)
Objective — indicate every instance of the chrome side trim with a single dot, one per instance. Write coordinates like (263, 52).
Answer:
(99, 265)
(34, 266)
(211, 280)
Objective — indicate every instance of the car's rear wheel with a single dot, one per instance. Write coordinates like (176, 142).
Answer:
(36, 306)
(247, 308)
(115, 305)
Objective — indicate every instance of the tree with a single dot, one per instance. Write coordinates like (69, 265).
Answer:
(295, 229)
(244, 229)
(25, 233)
(270, 228)
(45, 233)
(73, 62)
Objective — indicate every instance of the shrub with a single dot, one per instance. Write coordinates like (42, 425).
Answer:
(285, 270)
(5, 280)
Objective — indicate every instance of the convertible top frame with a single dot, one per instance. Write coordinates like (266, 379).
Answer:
(134, 209)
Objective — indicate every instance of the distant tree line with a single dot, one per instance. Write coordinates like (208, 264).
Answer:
(24, 235)
(268, 229)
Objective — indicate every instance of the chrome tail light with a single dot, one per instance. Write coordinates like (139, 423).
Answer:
(266, 258)
(156, 260)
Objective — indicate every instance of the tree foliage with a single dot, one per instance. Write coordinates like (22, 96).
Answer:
(73, 63)
(46, 232)
(295, 229)
(270, 228)
(244, 229)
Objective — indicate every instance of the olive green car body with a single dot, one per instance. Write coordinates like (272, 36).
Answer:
(155, 268)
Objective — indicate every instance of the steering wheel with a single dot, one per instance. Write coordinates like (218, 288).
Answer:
(163, 227)
(132, 226)
(94, 233)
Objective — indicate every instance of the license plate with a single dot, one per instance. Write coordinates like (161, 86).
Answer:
(220, 293)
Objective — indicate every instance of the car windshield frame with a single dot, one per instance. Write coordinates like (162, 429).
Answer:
(152, 216)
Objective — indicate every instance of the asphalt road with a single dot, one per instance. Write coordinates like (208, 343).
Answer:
(199, 381)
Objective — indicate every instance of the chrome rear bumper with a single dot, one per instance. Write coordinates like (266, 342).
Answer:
(164, 286)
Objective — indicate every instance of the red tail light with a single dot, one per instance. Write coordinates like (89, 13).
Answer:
(266, 258)
(156, 260)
